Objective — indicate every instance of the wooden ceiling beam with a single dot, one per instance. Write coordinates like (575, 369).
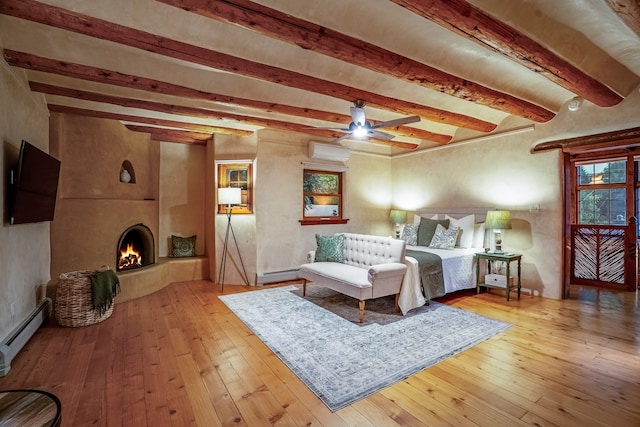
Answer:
(290, 127)
(172, 135)
(625, 138)
(148, 120)
(308, 35)
(628, 11)
(470, 22)
(94, 27)
(220, 115)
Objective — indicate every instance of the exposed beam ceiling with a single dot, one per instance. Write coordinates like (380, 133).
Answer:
(466, 68)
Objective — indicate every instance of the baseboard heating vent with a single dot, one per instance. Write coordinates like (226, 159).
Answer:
(276, 276)
(10, 347)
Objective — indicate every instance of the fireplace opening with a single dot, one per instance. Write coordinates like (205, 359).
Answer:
(136, 248)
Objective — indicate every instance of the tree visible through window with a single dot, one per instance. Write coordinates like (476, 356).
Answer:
(602, 193)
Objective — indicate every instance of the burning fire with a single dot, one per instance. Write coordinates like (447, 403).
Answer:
(130, 258)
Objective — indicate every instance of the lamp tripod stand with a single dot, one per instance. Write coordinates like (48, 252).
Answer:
(233, 196)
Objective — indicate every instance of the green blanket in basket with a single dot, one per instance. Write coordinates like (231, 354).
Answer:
(104, 287)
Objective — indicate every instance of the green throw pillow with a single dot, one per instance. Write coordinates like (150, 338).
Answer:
(428, 228)
(330, 248)
(183, 246)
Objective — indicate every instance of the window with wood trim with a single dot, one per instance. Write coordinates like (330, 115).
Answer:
(602, 194)
(321, 197)
(237, 174)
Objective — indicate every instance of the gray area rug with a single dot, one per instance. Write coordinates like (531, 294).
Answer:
(343, 362)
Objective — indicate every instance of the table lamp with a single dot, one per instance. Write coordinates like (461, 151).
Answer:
(398, 217)
(498, 221)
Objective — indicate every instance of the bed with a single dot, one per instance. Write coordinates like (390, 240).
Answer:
(457, 264)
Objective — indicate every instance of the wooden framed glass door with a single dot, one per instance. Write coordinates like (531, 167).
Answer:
(601, 219)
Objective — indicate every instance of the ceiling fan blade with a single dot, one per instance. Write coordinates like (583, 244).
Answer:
(380, 135)
(396, 122)
(357, 115)
(328, 128)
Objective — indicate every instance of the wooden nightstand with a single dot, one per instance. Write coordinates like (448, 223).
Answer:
(507, 258)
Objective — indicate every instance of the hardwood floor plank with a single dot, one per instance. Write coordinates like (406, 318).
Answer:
(180, 357)
(464, 404)
(382, 412)
(482, 393)
(203, 410)
(419, 406)
(255, 356)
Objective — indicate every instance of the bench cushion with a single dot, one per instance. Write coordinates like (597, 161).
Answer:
(335, 271)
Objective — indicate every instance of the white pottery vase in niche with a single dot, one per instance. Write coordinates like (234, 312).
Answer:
(125, 176)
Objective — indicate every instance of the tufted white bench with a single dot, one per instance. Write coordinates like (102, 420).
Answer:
(373, 267)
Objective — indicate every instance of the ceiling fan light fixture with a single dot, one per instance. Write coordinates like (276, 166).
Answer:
(360, 131)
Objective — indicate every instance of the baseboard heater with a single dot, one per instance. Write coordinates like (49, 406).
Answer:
(10, 347)
(276, 276)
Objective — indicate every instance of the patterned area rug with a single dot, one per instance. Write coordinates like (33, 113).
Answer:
(343, 362)
(380, 310)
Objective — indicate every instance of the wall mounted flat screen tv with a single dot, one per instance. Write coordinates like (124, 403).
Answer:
(33, 186)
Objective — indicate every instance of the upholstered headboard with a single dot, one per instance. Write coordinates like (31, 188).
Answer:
(480, 213)
(472, 235)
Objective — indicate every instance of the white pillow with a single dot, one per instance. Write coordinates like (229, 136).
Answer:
(479, 235)
(466, 225)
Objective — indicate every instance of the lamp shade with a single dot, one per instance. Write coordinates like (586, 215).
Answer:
(498, 220)
(229, 196)
(397, 216)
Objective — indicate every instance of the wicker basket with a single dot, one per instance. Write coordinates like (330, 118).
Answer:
(73, 306)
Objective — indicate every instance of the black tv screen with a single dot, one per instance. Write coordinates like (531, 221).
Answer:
(34, 185)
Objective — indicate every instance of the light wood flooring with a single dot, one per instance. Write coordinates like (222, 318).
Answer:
(180, 357)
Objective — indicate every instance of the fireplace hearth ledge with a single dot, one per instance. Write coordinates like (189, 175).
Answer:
(147, 280)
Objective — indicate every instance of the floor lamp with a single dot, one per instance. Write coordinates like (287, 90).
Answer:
(229, 196)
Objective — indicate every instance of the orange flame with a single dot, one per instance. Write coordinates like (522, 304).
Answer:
(130, 258)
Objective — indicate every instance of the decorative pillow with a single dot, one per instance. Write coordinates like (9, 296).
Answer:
(428, 228)
(410, 234)
(183, 246)
(330, 248)
(444, 238)
(479, 235)
(466, 224)
(417, 218)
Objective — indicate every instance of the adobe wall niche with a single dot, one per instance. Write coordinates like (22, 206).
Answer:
(94, 207)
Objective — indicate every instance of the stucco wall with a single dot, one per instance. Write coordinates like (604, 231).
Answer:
(497, 173)
(94, 208)
(182, 194)
(229, 147)
(282, 243)
(501, 172)
(24, 250)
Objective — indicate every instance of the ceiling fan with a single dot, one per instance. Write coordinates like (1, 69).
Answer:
(361, 128)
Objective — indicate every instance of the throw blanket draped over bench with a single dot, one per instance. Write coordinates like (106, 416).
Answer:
(431, 277)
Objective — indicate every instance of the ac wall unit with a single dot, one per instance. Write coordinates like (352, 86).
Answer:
(334, 153)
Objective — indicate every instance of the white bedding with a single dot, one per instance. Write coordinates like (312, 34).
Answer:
(458, 268)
